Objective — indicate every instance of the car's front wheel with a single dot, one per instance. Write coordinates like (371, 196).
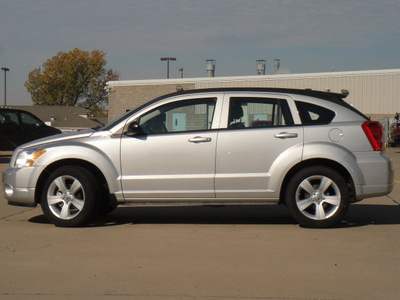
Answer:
(69, 196)
(317, 196)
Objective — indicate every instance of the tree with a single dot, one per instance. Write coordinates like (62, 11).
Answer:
(72, 78)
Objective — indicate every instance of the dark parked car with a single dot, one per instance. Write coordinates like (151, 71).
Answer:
(18, 127)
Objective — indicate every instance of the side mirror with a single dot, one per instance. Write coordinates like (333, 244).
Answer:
(133, 129)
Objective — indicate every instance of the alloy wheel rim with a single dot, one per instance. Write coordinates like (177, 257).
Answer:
(66, 197)
(318, 197)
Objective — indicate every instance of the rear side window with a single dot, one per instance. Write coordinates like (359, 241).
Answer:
(9, 118)
(247, 112)
(311, 114)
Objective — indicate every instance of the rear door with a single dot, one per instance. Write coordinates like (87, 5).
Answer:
(260, 138)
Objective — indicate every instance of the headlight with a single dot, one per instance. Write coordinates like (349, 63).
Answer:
(28, 157)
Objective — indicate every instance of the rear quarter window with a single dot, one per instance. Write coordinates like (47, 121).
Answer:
(311, 114)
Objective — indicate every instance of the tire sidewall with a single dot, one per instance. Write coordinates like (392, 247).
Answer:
(293, 184)
(90, 187)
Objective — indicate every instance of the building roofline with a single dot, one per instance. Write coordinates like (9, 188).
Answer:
(252, 77)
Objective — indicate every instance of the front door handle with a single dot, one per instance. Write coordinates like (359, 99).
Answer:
(286, 135)
(200, 139)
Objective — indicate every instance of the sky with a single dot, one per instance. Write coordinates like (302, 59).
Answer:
(306, 35)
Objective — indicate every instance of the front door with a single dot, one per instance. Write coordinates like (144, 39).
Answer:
(174, 156)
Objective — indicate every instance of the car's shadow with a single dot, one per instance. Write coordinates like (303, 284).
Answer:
(251, 214)
(358, 215)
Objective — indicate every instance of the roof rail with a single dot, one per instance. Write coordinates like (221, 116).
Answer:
(306, 92)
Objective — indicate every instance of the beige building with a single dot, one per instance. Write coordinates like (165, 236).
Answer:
(376, 93)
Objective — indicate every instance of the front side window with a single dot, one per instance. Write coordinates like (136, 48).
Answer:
(179, 116)
(29, 120)
(247, 112)
(311, 114)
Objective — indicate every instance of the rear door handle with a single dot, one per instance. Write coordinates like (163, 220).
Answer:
(200, 139)
(286, 135)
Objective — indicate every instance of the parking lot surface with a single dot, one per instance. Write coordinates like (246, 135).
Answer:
(225, 252)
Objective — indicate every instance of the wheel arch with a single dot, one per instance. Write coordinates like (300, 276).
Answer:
(70, 162)
(321, 162)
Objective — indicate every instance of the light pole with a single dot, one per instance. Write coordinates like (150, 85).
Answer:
(168, 59)
(5, 84)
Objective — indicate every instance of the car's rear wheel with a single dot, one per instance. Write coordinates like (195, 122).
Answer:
(69, 196)
(317, 196)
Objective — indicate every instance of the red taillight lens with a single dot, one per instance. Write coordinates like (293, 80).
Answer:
(374, 132)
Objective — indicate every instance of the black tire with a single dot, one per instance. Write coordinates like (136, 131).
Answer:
(69, 196)
(317, 197)
(107, 205)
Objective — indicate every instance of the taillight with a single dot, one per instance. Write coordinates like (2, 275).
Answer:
(374, 132)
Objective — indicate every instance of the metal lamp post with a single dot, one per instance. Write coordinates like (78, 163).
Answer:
(167, 59)
(5, 84)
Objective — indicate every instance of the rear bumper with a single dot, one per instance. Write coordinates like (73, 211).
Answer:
(369, 191)
(378, 176)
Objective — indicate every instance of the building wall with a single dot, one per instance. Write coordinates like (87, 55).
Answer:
(375, 93)
(125, 97)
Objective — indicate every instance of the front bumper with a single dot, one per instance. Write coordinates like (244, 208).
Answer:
(18, 186)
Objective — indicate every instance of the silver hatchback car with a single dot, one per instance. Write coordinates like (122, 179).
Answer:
(308, 150)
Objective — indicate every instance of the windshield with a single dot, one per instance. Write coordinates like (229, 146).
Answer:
(126, 115)
(114, 122)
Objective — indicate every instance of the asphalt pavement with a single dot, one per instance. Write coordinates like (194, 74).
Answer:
(225, 252)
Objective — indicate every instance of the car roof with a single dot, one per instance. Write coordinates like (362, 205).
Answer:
(12, 109)
(15, 110)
